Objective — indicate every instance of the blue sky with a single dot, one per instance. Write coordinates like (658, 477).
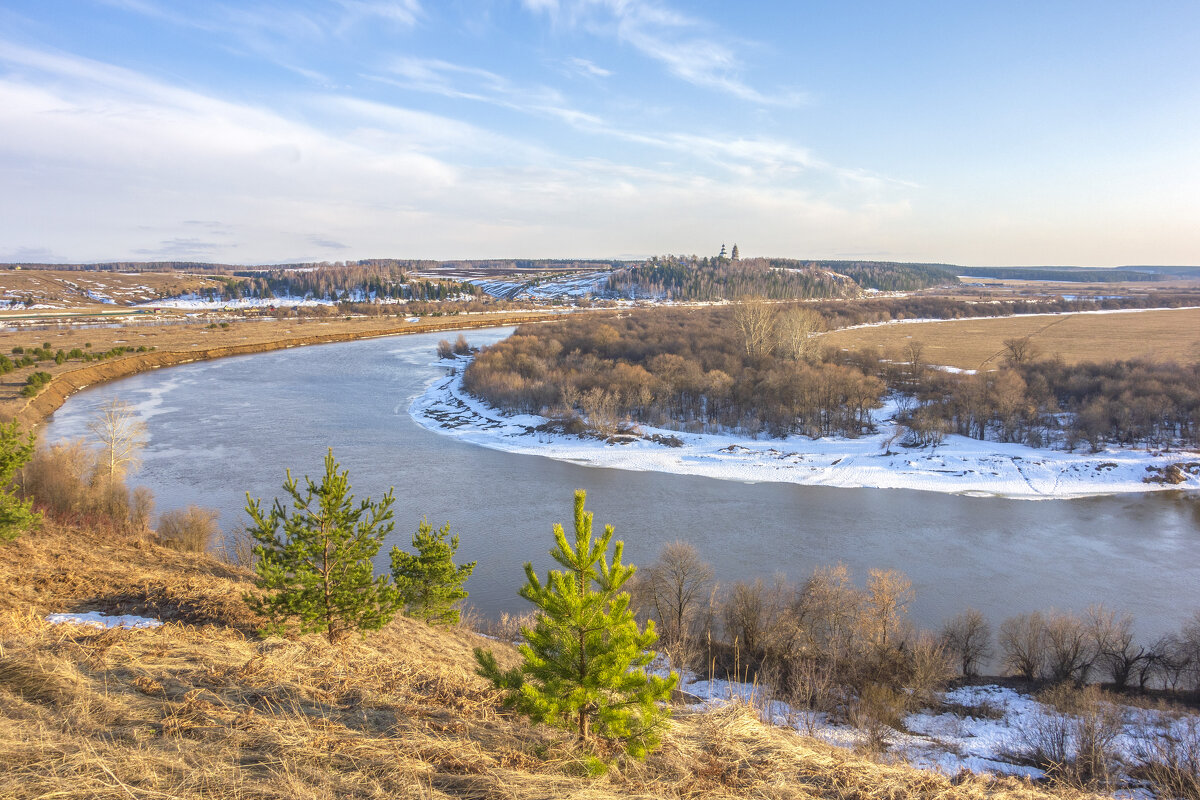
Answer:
(1048, 132)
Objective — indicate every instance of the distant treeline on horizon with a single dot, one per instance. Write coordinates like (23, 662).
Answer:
(1066, 273)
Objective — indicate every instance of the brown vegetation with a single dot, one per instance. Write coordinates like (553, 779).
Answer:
(748, 368)
(203, 707)
(688, 369)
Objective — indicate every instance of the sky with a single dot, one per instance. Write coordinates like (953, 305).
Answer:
(274, 131)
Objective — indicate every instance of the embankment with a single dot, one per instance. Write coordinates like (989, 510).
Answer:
(65, 384)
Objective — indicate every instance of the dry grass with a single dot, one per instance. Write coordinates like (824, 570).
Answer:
(1167, 335)
(202, 707)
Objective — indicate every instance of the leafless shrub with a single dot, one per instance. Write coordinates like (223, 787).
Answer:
(121, 435)
(1168, 757)
(876, 712)
(508, 627)
(755, 319)
(929, 671)
(237, 549)
(191, 529)
(796, 329)
(445, 349)
(461, 346)
(1112, 642)
(59, 477)
(141, 509)
(1070, 651)
(1073, 740)
(600, 407)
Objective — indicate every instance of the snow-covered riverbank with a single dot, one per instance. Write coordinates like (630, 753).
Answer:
(959, 465)
(983, 729)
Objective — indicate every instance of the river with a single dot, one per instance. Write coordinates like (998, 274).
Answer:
(220, 429)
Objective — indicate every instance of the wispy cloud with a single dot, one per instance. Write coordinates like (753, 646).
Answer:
(177, 248)
(283, 33)
(751, 158)
(685, 45)
(588, 68)
(326, 243)
(401, 12)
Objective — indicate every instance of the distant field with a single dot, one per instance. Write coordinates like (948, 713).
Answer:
(1168, 335)
(94, 289)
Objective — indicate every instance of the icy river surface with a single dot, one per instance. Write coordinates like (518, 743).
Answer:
(220, 429)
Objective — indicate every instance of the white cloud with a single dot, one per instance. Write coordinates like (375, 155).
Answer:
(105, 163)
(681, 43)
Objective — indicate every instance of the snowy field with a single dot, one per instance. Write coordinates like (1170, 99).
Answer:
(959, 465)
(192, 302)
(563, 287)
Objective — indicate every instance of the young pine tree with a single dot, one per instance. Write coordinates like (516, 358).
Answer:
(16, 449)
(429, 583)
(315, 561)
(584, 659)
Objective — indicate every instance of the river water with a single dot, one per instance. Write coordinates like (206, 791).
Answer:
(220, 429)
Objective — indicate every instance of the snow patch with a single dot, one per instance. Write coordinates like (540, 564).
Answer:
(96, 619)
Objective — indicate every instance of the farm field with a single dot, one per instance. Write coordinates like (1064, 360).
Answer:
(1162, 335)
(93, 289)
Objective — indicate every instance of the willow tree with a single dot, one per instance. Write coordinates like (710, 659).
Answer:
(585, 658)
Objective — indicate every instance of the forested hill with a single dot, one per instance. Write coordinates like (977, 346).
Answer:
(707, 279)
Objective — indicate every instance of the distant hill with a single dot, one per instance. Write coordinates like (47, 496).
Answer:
(1081, 274)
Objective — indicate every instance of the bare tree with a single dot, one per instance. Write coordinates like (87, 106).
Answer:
(679, 583)
(795, 333)
(1020, 351)
(830, 610)
(1069, 650)
(121, 435)
(1112, 641)
(1023, 643)
(755, 319)
(967, 639)
(889, 593)
(914, 356)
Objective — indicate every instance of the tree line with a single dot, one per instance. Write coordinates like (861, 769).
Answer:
(1044, 402)
(687, 369)
(758, 367)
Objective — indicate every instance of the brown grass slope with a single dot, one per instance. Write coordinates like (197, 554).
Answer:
(202, 707)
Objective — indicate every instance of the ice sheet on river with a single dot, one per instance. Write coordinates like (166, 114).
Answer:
(959, 465)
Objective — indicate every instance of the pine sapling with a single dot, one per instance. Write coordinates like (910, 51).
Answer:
(429, 583)
(585, 658)
(315, 561)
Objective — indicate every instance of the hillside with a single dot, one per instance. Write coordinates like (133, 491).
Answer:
(203, 707)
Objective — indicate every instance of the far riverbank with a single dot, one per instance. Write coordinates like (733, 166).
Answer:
(959, 465)
(182, 344)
